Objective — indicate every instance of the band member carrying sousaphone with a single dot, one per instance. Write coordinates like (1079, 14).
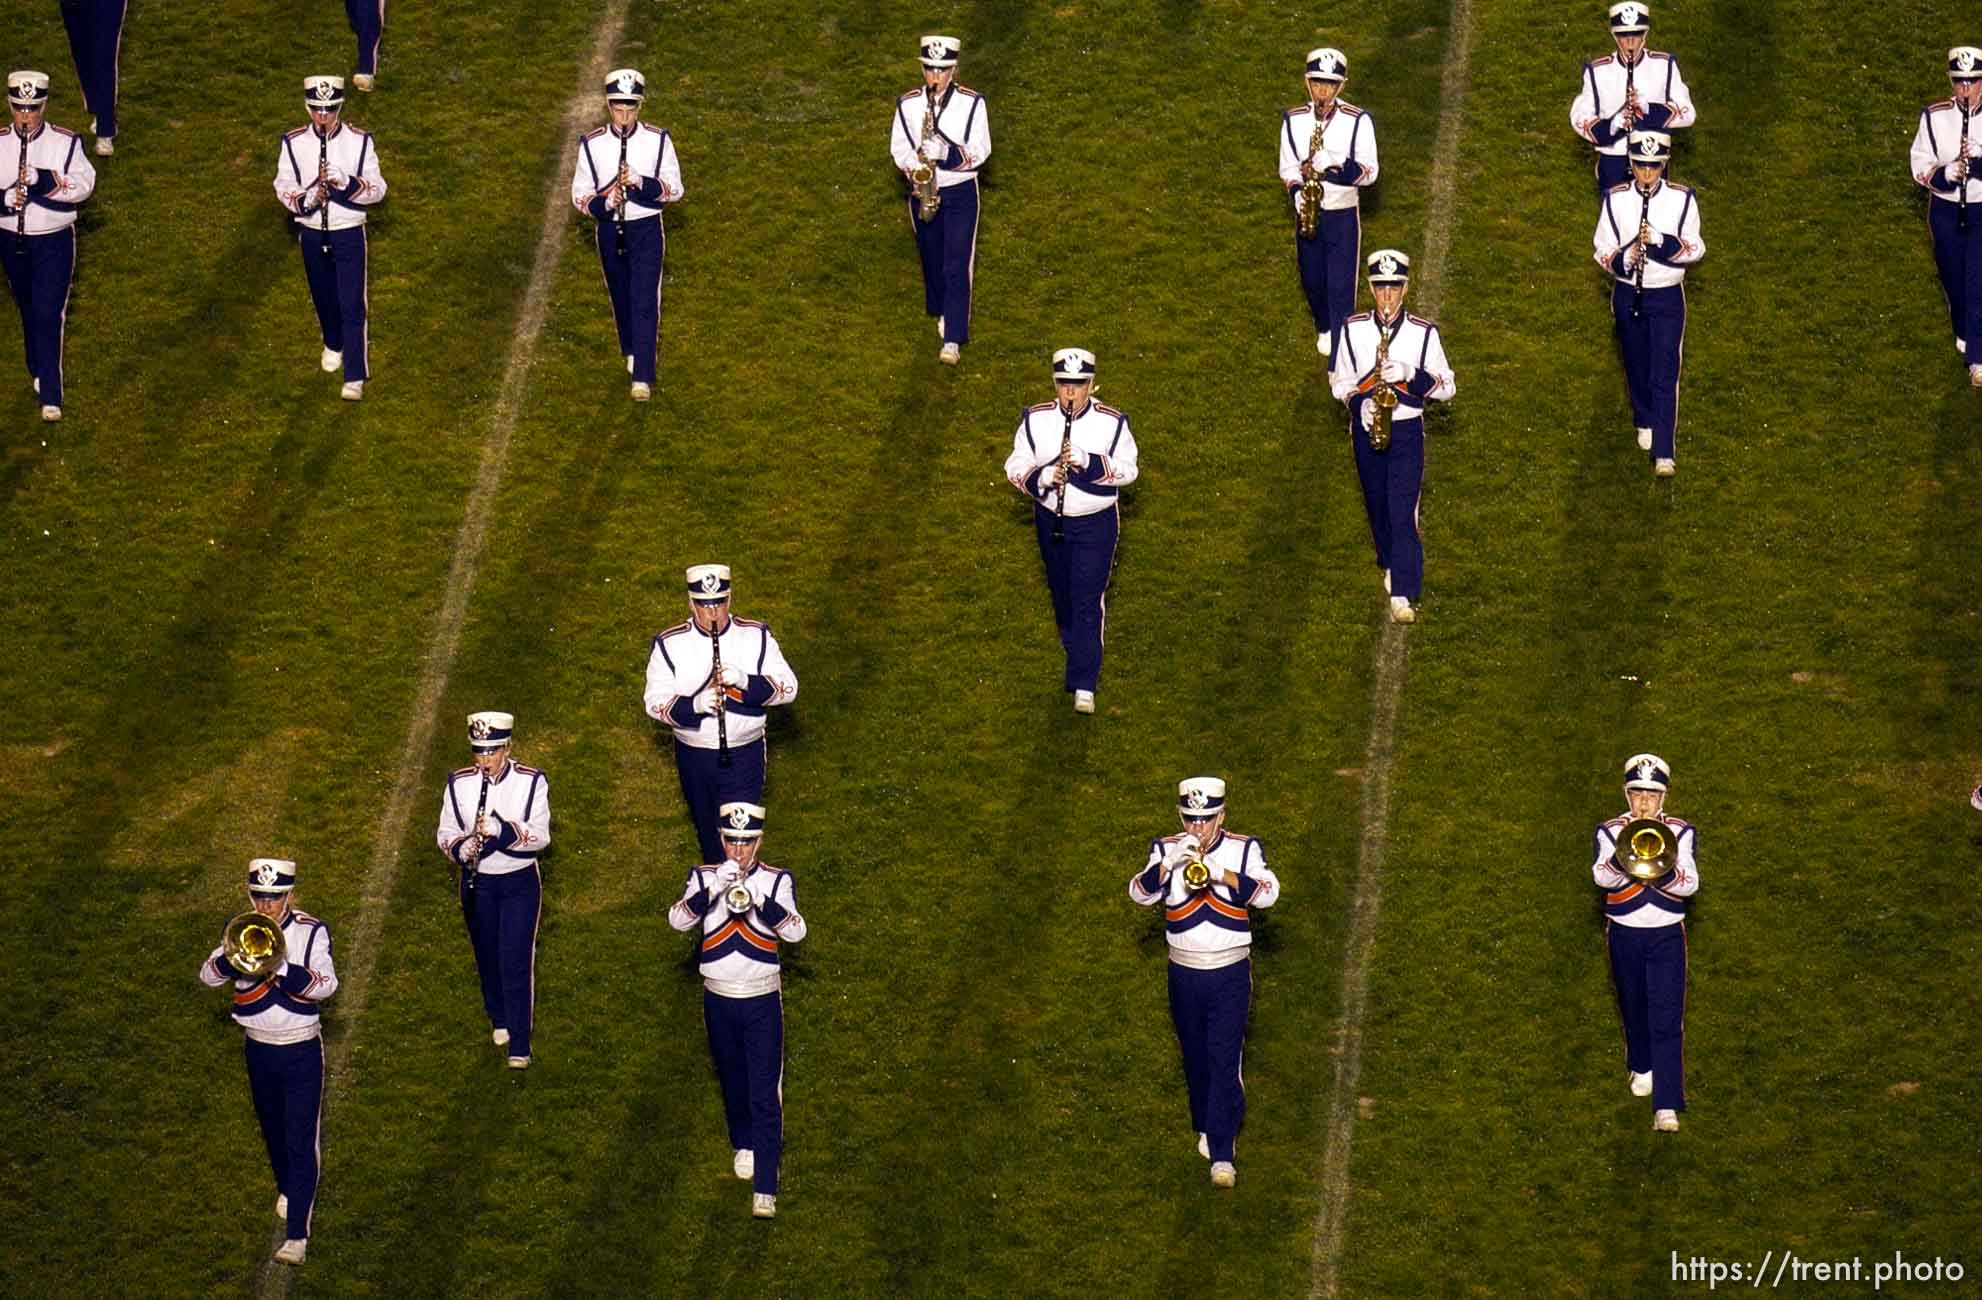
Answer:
(939, 138)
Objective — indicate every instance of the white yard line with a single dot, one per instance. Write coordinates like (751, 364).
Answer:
(358, 941)
(1427, 288)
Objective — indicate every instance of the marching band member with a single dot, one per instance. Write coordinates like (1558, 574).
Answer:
(711, 679)
(1390, 349)
(945, 128)
(46, 175)
(96, 36)
(745, 907)
(1073, 457)
(495, 818)
(1645, 928)
(1635, 89)
(1648, 233)
(1332, 162)
(1944, 149)
(1209, 880)
(626, 170)
(327, 174)
(284, 1043)
(368, 25)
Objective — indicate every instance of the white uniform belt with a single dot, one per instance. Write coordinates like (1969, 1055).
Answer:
(1217, 959)
(755, 988)
(283, 1037)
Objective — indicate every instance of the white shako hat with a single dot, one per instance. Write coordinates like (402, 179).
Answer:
(940, 51)
(1327, 64)
(323, 92)
(271, 875)
(27, 88)
(625, 86)
(1651, 147)
(740, 821)
(1388, 266)
(1200, 796)
(1632, 18)
(1646, 772)
(488, 731)
(1964, 63)
(708, 583)
(1073, 366)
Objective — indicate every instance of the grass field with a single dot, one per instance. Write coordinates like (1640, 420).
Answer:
(225, 584)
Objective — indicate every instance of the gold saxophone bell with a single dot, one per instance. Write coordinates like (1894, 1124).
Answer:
(1309, 217)
(1385, 397)
(1646, 849)
(737, 898)
(928, 197)
(254, 945)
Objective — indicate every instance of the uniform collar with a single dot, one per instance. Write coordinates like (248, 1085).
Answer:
(333, 135)
(38, 131)
(508, 765)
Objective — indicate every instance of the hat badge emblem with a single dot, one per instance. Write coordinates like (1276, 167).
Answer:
(1965, 61)
(625, 83)
(1388, 266)
(478, 729)
(739, 818)
(1629, 13)
(1196, 799)
(1647, 772)
(265, 874)
(710, 582)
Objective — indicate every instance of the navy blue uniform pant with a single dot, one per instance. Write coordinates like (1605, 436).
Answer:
(706, 785)
(747, 1042)
(368, 21)
(1613, 169)
(286, 1080)
(634, 284)
(1958, 259)
(96, 32)
(1652, 343)
(502, 913)
(337, 290)
(1329, 268)
(1077, 571)
(948, 245)
(40, 274)
(1209, 1009)
(1392, 481)
(1648, 970)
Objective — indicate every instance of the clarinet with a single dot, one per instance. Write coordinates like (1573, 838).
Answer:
(21, 199)
(619, 213)
(1961, 156)
(1630, 114)
(1065, 462)
(473, 865)
(722, 698)
(1638, 272)
(323, 211)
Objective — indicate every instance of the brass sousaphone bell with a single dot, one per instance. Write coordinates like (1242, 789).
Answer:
(1646, 849)
(254, 945)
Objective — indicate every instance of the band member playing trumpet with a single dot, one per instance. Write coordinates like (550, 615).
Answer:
(1327, 152)
(1635, 89)
(940, 137)
(746, 908)
(326, 175)
(1072, 457)
(1946, 147)
(1387, 365)
(495, 819)
(1209, 881)
(279, 984)
(626, 171)
(46, 174)
(1648, 233)
(1645, 901)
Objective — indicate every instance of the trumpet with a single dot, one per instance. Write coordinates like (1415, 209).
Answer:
(1384, 397)
(1309, 219)
(1196, 871)
(737, 898)
(254, 945)
(1646, 849)
(928, 197)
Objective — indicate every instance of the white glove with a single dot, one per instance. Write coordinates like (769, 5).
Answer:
(1078, 456)
(705, 700)
(1369, 415)
(489, 827)
(1049, 477)
(335, 175)
(728, 874)
(734, 676)
(1176, 855)
(1397, 372)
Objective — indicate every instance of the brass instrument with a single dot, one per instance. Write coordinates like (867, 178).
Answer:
(737, 898)
(1309, 219)
(1197, 872)
(928, 197)
(1646, 849)
(1384, 398)
(254, 945)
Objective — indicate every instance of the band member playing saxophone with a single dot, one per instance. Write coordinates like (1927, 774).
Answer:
(45, 173)
(326, 175)
(1072, 457)
(1388, 358)
(1648, 233)
(1946, 147)
(1209, 881)
(940, 137)
(626, 171)
(1329, 145)
(1631, 90)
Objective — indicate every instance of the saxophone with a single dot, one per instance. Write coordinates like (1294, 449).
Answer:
(1384, 397)
(928, 197)
(1310, 201)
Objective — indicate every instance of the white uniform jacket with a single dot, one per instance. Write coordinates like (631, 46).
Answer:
(962, 140)
(519, 805)
(59, 175)
(1210, 927)
(1936, 145)
(283, 1007)
(1347, 156)
(1597, 112)
(1103, 462)
(680, 666)
(739, 957)
(1414, 342)
(653, 173)
(1646, 904)
(1675, 243)
(355, 183)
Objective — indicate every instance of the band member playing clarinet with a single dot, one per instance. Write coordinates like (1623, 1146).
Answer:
(626, 170)
(1327, 155)
(717, 715)
(744, 909)
(1945, 149)
(45, 173)
(1634, 89)
(1209, 881)
(1072, 457)
(939, 138)
(326, 175)
(495, 819)
(1648, 233)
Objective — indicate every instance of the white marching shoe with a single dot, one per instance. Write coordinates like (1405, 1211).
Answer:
(1401, 611)
(1975, 376)
(292, 1250)
(105, 146)
(1644, 438)
(37, 387)
(939, 327)
(1664, 468)
(281, 1206)
(500, 1037)
(519, 1062)
(353, 390)
(1223, 1174)
(950, 355)
(363, 81)
(1641, 1084)
(744, 1164)
(629, 363)
(51, 414)
(331, 361)
(1386, 582)
(1204, 1146)
(1083, 701)
(763, 1205)
(1666, 1121)
(640, 392)
(1321, 344)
